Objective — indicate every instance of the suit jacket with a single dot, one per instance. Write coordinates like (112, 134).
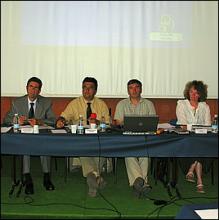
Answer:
(43, 110)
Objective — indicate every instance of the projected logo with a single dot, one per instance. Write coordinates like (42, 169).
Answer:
(167, 25)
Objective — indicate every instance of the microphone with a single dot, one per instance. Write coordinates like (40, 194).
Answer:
(110, 117)
(14, 107)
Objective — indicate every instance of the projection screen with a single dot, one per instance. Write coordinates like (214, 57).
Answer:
(164, 44)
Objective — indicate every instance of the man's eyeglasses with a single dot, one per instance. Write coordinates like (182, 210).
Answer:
(88, 88)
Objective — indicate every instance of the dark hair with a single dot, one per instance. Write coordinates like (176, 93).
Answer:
(132, 81)
(199, 86)
(35, 79)
(91, 79)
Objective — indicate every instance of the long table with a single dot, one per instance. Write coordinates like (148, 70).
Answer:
(111, 145)
(108, 145)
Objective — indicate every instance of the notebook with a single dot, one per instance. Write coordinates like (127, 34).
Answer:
(141, 124)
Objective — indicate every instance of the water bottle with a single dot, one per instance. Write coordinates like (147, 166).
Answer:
(214, 125)
(102, 124)
(16, 125)
(80, 129)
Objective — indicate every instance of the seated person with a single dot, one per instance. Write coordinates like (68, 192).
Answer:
(194, 110)
(137, 168)
(34, 109)
(84, 106)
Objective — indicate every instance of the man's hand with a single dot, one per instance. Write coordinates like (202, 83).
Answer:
(60, 123)
(22, 120)
(32, 121)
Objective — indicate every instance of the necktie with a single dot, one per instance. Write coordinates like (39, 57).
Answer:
(31, 111)
(89, 111)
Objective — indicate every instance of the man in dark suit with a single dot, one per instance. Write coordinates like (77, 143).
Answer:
(34, 110)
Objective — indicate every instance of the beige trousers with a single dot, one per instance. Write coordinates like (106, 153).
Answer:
(137, 167)
(92, 164)
(75, 161)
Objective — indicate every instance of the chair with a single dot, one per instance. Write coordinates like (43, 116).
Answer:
(112, 161)
(66, 166)
(211, 169)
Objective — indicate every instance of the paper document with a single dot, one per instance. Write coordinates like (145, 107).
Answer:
(165, 126)
(208, 213)
(5, 129)
(46, 127)
(40, 126)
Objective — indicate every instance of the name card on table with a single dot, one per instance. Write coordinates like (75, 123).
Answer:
(27, 130)
(91, 131)
(201, 130)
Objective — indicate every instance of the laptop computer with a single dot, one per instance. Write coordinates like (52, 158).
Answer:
(141, 124)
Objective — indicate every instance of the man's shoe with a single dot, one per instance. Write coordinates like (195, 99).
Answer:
(137, 186)
(47, 182)
(141, 188)
(92, 184)
(28, 184)
(101, 182)
(145, 190)
(29, 188)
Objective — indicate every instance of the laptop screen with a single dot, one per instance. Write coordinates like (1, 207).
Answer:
(143, 123)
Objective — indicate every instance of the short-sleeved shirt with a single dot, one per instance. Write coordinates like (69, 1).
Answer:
(125, 107)
(78, 107)
(186, 114)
